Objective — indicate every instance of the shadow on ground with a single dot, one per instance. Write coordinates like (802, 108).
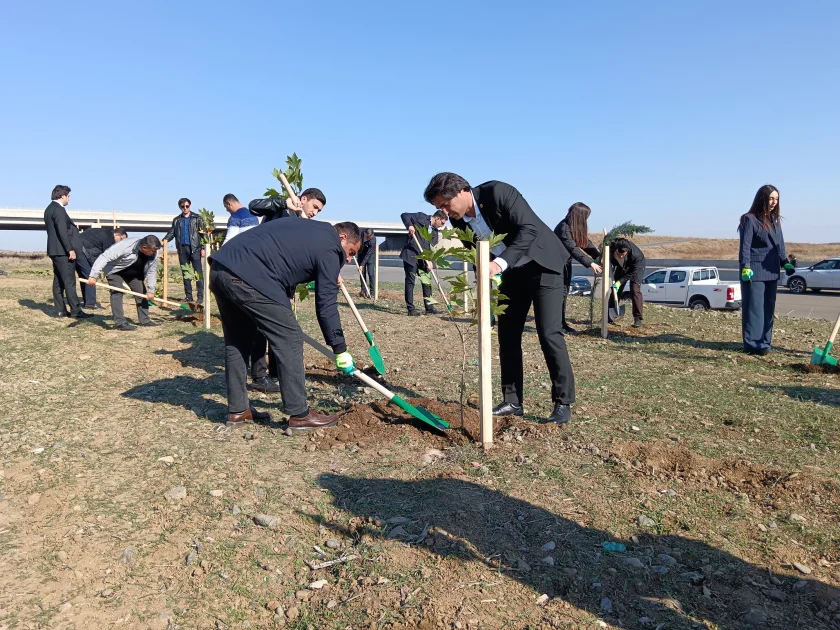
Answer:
(822, 396)
(644, 589)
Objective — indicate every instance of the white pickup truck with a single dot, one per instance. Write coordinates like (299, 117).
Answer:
(697, 288)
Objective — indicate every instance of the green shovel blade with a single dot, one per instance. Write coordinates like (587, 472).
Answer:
(821, 356)
(374, 353)
(424, 415)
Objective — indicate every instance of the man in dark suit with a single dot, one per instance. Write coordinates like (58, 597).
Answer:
(254, 278)
(367, 262)
(413, 220)
(308, 205)
(629, 265)
(187, 239)
(532, 261)
(63, 246)
(95, 240)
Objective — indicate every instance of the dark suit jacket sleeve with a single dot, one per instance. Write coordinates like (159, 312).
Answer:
(564, 232)
(782, 250)
(522, 217)
(747, 230)
(326, 301)
(417, 219)
(171, 233)
(367, 254)
(63, 227)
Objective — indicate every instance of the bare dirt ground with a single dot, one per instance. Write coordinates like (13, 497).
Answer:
(124, 502)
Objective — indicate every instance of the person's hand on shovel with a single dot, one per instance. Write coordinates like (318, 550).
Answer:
(596, 268)
(91, 281)
(616, 285)
(746, 274)
(344, 363)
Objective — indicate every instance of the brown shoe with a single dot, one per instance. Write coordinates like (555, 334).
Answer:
(236, 420)
(263, 417)
(311, 421)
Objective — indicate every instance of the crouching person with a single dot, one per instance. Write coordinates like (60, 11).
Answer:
(133, 260)
(253, 278)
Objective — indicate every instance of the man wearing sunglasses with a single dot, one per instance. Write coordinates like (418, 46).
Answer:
(187, 241)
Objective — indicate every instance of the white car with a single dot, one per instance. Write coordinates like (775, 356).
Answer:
(697, 288)
(824, 275)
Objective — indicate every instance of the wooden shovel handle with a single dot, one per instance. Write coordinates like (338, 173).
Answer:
(434, 275)
(357, 373)
(290, 192)
(127, 292)
(834, 332)
(356, 314)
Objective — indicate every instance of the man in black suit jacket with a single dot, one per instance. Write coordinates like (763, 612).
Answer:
(532, 261)
(95, 240)
(63, 245)
(254, 278)
(413, 220)
(185, 233)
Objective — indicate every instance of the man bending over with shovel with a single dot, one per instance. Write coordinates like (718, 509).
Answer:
(628, 261)
(132, 260)
(253, 278)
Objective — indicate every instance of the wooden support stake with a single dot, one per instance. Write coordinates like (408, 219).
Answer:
(485, 365)
(115, 218)
(467, 295)
(376, 271)
(605, 291)
(165, 271)
(205, 278)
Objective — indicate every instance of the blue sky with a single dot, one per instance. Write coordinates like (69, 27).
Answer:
(671, 114)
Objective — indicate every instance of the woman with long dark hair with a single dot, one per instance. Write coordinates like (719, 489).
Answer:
(573, 232)
(761, 257)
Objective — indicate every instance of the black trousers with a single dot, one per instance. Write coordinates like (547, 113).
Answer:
(260, 368)
(64, 284)
(369, 274)
(84, 262)
(636, 298)
(245, 311)
(136, 284)
(410, 275)
(189, 256)
(523, 286)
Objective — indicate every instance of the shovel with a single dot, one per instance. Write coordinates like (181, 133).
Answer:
(434, 275)
(421, 414)
(821, 356)
(186, 307)
(618, 311)
(373, 351)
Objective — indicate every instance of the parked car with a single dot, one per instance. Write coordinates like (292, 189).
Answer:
(580, 286)
(824, 275)
(697, 288)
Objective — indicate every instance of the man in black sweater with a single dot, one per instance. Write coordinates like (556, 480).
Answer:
(95, 240)
(532, 261)
(629, 263)
(413, 220)
(63, 246)
(253, 278)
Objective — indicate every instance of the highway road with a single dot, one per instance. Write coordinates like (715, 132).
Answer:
(824, 305)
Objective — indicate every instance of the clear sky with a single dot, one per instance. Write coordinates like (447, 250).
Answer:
(670, 113)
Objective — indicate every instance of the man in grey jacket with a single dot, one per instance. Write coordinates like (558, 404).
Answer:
(132, 260)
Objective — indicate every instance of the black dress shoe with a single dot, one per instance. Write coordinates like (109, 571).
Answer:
(266, 385)
(125, 326)
(94, 307)
(638, 323)
(63, 314)
(508, 409)
(561, 414)
(83, 315)
(432, 311)
(149, 324)
(414, 313)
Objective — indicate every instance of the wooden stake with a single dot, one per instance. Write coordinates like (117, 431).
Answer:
(376, 271)
(466, 295)
(485, 365)
(605, 291)
(165, 271)
(205, 278)
(115, 218)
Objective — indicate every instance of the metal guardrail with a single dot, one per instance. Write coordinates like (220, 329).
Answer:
(25, 219)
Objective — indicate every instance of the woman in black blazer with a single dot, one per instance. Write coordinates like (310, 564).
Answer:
(573, 233)
(761, 257)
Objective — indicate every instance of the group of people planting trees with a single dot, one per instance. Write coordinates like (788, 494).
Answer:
(275, 244)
